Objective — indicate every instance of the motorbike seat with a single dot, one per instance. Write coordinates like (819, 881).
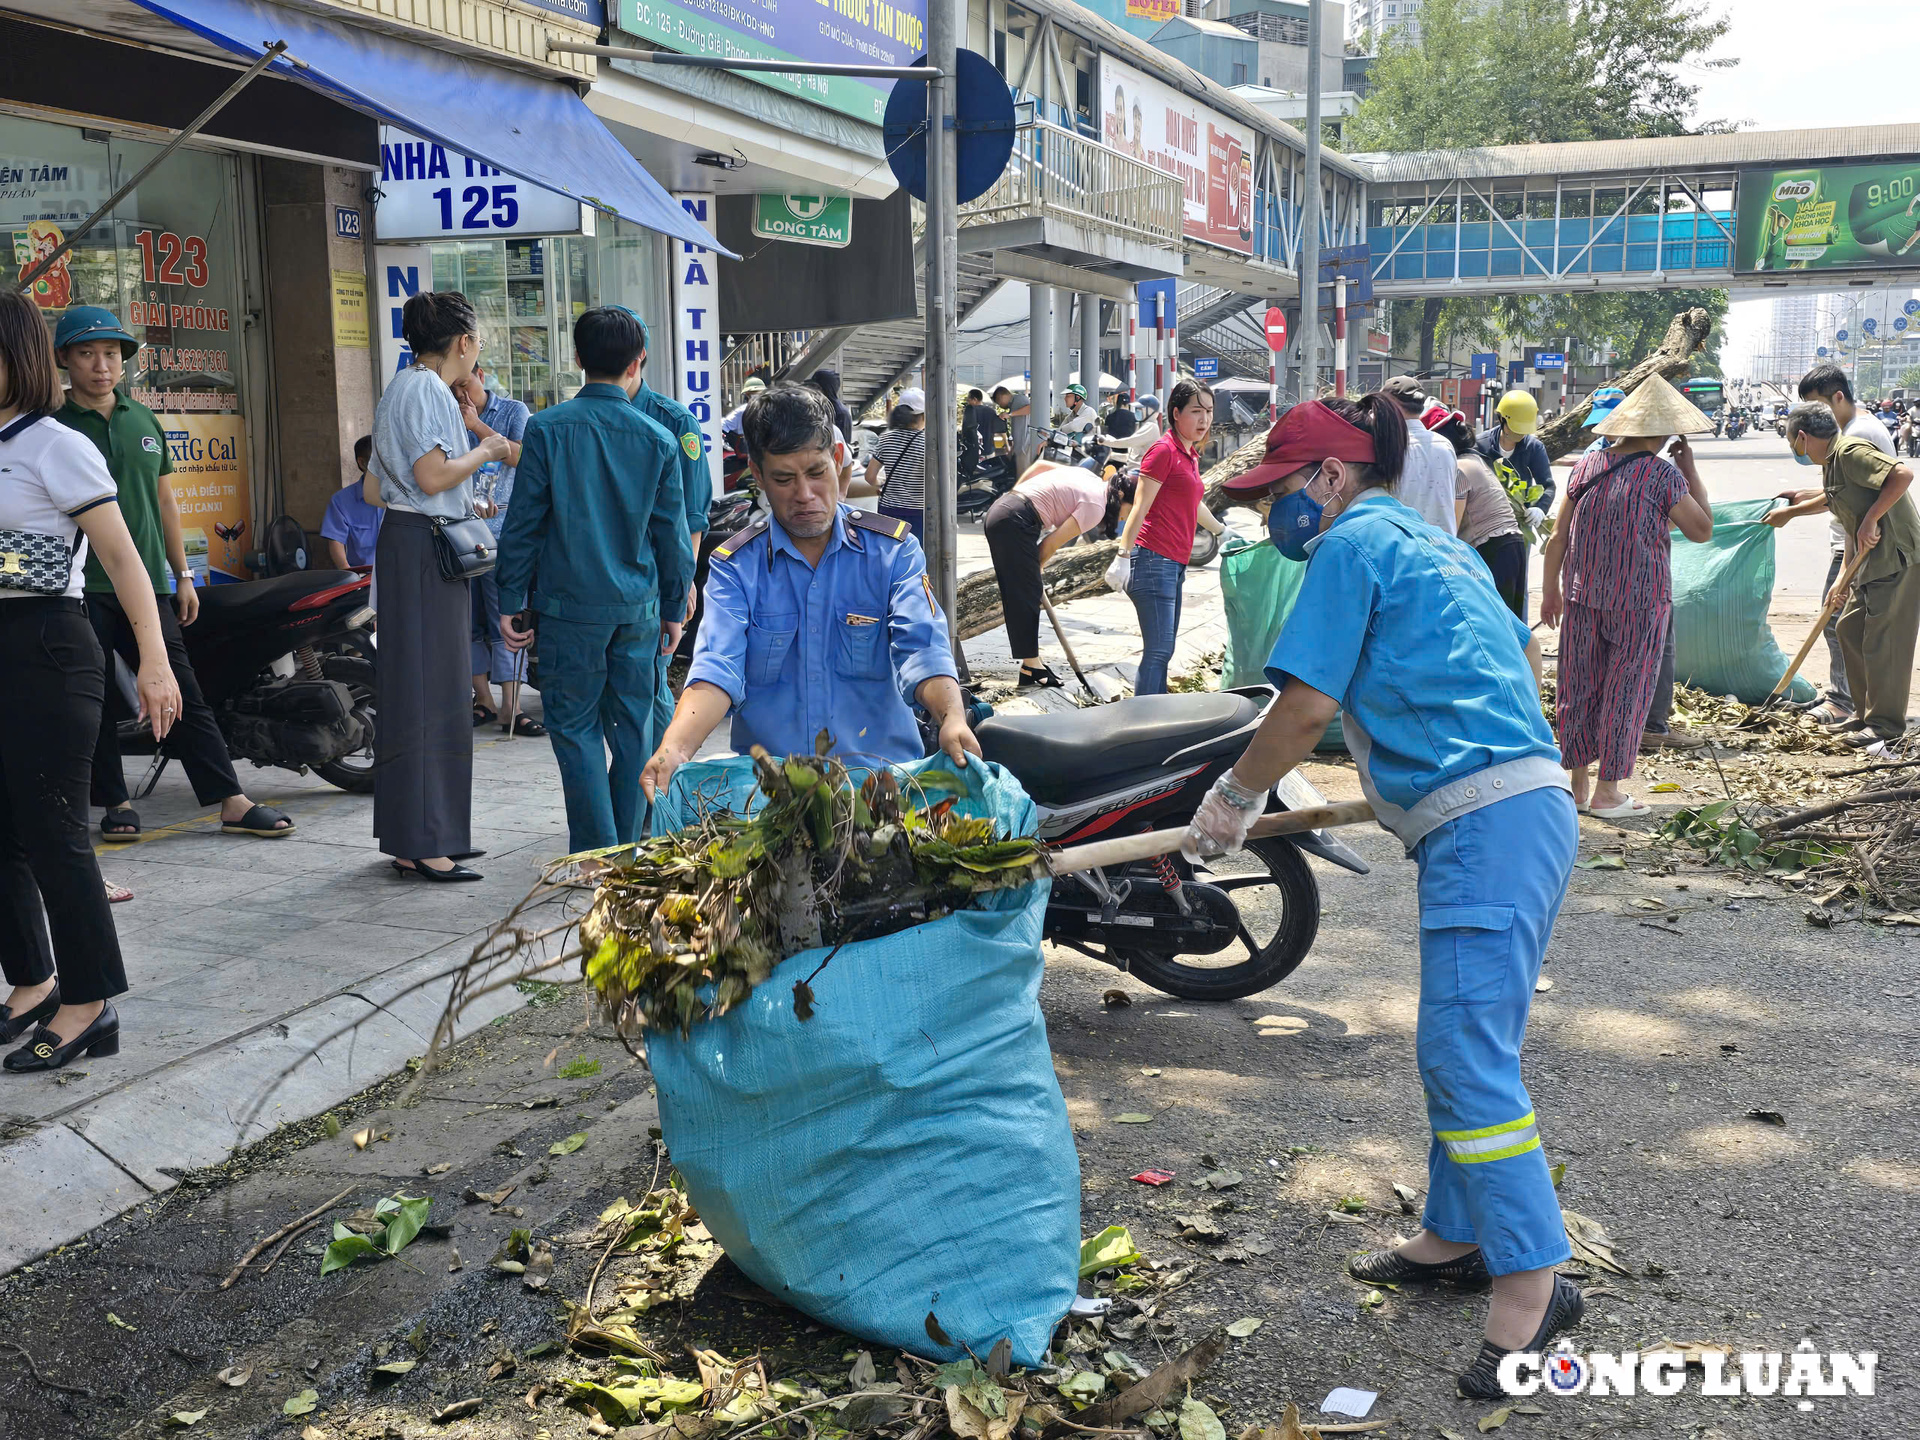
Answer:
(246, 600)
(1056, 755)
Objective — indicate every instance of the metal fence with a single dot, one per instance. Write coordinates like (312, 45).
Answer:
(748, 352)
(1080, 180)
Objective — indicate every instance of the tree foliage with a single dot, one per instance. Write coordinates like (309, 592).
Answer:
(1511, 72)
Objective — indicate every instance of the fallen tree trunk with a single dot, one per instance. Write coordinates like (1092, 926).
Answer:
(1235, 465)
(1073, 572)
(1686, 337)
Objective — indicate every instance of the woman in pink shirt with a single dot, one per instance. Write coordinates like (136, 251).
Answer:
(1050, 506)
(1158, 539)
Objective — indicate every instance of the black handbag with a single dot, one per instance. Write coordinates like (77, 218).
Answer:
(465, 547)
(32, 560)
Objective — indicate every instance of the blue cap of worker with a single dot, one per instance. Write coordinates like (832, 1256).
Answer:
(646, 336)
(93, 322)
(1605, 401)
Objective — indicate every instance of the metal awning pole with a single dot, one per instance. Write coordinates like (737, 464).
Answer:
(273, 53)
(943, 265)
(728, 62)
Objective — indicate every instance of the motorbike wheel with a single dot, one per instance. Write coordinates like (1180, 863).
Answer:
(1206, 545)
(353, 666)
(1250, 964)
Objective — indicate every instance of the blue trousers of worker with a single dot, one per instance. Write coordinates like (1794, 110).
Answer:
(1491, 885)
(597, 692)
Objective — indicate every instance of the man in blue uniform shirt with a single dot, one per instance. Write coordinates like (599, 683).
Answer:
(821, 618)
(696, 485)
(598, 517)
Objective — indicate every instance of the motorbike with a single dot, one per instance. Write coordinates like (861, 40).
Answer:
(1222, 929)
(728, 515)
(288, 667)
(1065, 449)
(1736, 427)
(994, 478)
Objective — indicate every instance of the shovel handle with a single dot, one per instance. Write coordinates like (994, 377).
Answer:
(1127, 849)
(1834, 597)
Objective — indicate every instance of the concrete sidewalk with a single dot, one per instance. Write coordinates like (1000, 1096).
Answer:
(242, 956)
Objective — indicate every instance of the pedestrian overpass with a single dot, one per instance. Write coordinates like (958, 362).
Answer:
(1609, 215)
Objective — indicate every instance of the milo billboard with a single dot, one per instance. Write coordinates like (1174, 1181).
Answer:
(1832, 217)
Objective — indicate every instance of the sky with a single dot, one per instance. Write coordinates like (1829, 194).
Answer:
(1776, 86)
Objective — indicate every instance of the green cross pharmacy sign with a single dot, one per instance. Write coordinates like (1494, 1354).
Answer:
(805, 219)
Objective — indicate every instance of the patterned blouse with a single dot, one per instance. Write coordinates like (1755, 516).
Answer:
(1617, 549)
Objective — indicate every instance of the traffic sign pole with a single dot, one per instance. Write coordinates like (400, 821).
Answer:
(1276, 328)
(1340, 335)
(942, 260)
(1310, 221)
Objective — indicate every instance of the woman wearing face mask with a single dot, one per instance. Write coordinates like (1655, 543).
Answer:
(1399, 628)
(1157, 540)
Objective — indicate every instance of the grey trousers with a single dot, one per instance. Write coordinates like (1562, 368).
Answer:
(1660, 713)
(1837, 689)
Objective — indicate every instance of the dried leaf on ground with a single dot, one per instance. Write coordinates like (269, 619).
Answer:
(567, 1146)
(1132, 1117)
(1116, 999)
(863, 1373)
(459, 1410)
(1601, 862)
(183, 1418)
(1198, 1422)
(1592, 1246)
(1495, 1420)
(234, 1376)
(302, 1404)
(1166, 1381)
(1768, 1117)
(1242, 1328)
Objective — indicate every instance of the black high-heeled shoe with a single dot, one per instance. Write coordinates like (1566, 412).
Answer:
(427, 872)
(1481, 1380)
(13, 1026)
(45, 1052)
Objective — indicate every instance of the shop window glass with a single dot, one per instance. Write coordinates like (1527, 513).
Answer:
(167, 263)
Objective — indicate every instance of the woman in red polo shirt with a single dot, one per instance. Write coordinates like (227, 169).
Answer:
(1158, 538)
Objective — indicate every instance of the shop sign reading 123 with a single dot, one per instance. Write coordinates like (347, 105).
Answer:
(428, 192)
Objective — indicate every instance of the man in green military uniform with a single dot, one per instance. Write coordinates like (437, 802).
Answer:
(93, 347)
(696, 485)
(1867, 492)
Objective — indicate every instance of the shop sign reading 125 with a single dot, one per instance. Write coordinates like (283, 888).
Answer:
(428, 191)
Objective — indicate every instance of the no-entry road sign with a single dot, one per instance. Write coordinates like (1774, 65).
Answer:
(1276, 329)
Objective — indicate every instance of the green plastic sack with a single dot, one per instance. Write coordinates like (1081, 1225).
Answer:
(1259, 586)
(1721, 593)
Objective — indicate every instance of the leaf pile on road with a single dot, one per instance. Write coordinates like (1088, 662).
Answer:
(381, 1233)
(684, 926)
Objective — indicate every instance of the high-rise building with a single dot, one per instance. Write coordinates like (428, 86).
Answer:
(1792, 334)
(1383, 16)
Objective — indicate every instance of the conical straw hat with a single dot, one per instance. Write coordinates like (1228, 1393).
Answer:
(1655, 408)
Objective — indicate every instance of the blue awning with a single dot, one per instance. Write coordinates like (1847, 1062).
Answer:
(539, 131)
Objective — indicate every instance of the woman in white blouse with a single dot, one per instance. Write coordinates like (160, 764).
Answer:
(56, 498)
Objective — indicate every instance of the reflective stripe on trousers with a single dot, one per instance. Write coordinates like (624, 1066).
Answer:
(1491, 885)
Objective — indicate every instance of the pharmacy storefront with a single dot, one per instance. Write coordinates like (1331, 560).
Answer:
(530, 260)
(170, 262)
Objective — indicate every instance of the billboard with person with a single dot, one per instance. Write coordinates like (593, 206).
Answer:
(1829, 217)
(1209, 154)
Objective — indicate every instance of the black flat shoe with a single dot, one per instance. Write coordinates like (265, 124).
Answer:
(1390, 1267)
(100, 1039)
(1481, 1380)
(443, 877)
(13, 1026)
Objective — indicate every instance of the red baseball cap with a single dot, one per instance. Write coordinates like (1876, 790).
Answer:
(1305, 435)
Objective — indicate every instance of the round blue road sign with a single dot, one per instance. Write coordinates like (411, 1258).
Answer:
(1869, 325)
(1899, 322)
(1912, 307)
(1839, 334)
(983, 125)
(1821, 353)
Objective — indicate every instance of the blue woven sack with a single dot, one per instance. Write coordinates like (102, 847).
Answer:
(906, 1151)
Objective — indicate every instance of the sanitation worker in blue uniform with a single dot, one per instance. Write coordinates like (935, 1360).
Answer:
(696, 486)
(1398, 627)
(820, 618)
(595, 546)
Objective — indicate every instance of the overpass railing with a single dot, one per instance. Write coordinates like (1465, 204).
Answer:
(1057, 171)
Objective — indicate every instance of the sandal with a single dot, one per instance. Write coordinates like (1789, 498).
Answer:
(120, 825)
(1627, 809)
(1390, 1267)
(116, 894)
(482, 715)
(1041, 679)
(261, 820)
(526, 727)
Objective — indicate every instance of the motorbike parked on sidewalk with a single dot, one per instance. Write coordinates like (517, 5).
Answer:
(727, 516)
(1220, 930)
(994, 478)
(288, 667)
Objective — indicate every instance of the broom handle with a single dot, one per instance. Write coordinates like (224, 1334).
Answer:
(1834, 598)
(1127, 849)
(1061, 635)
